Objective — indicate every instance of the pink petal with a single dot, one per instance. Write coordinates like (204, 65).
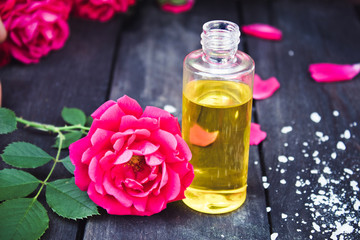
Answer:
(261, 30)
(256, 135)
(155, 112)
(156, 204)
(178, 8)
(124, 157)
(264, 88)
(329, 72)
(170, 124)
(173, 185)
(101, 138)
(130, 122)
(144, 147)
(112, 205)
(154, 159)
(183, 148)
(82, 179)
(112, 116)
(201, 137)
(133, 184)
(130, 106)
(98, 112)
(77, 149)
(165, 139)
(140, 203)
(119, 194)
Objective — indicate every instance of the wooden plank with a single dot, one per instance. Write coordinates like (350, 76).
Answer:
(313, 195)
(149, 69)
(76, 76)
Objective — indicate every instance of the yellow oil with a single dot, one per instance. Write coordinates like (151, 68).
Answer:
(222, 108)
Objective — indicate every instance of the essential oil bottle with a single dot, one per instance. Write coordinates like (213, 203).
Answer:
(217, 101)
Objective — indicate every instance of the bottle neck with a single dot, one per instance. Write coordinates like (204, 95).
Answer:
(219, 41)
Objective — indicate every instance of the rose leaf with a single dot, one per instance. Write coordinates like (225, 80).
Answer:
(7, 121)
(69, 139)
(68, 164)
(68, 201)
(16, 184)
(22, 218)
(25, 155)
(73, 116)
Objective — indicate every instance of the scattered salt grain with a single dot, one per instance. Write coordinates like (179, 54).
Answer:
(283, 181)
(291, 158)
(282, 170)
(274, 236)
(327, 170)
(264, 178)
(315, 117)
(268, 209)
(357, 205)
(335, 113)
(354, 185)
(305, 144)
(286, 144)
(340, 229)
(282, 159)
(333, 155)
(291, 53)
(170, 108)
(286, 129)
(283, 215)
(314, 171)
(322, 180)
(266, 185)
(348, 171)
(316, 227)
(340, 145)
(347, 134)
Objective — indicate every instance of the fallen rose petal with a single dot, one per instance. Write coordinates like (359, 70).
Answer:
(256, 135)
(264, 88)
(201, 137)
(261, 30)
(176, 9)
(330, 72)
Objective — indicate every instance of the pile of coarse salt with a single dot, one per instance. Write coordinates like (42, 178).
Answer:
(333, 204)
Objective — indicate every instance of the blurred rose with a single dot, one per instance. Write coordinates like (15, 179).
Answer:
(132, 162)
(35, 27)
(101, 10)
(176, 6)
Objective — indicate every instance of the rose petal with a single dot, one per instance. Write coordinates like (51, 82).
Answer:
(256, 135)
(77, 149)
(112, 205)
(101, 138)
(140, 203)
(144, 147)
(183, 148)
(130, 122)
(172, 188)
(155, 112)
(165, 139)
(112, 116)
(264, 88)
(178, 8)
(170, 124)
(124, 157)
(201, 137)
(119, 194)
(156, 203)
(82, 179)
(261, 30)
(133, 184)
(130, 106)
(99, 112)
(154, 159)
(329, 72)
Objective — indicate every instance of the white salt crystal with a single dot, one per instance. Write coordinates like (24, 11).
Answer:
(268, 209)
(305, 144)
(340, 229)
(283, 215)
(291, 53)
(286, 129)
(170, 108)
(297, 191)
(357, 205)
(354, 185)
(298, 183)
(316, 227)
(315, 153)
(282, 159)
(264, 178)
(282, 170)
(314, 171)
(333, 155)
(286, 144)
(335, 113)
(319, 134)
(283, 181)
(327, 170)
(322, 180)
(291, 158)
(306, 155)
(347, 134)
(266, 185)
(348, 171)
(274, 236)
(340, 145)
(315, 117)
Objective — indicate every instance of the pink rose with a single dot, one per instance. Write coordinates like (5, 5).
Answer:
(176, 6)
(36, 27)
(102, 10)
(132, 162)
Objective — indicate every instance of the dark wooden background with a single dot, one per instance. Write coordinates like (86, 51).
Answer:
(140, 54)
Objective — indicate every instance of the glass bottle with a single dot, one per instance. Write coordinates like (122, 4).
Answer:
(217, 101)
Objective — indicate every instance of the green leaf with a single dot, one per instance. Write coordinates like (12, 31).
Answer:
(7, 121)
(89, 121)
(16, 183)
(25, 155)
(68, 164)
(68, 201)
(73, 116)
(22, 218)
(69, 139)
